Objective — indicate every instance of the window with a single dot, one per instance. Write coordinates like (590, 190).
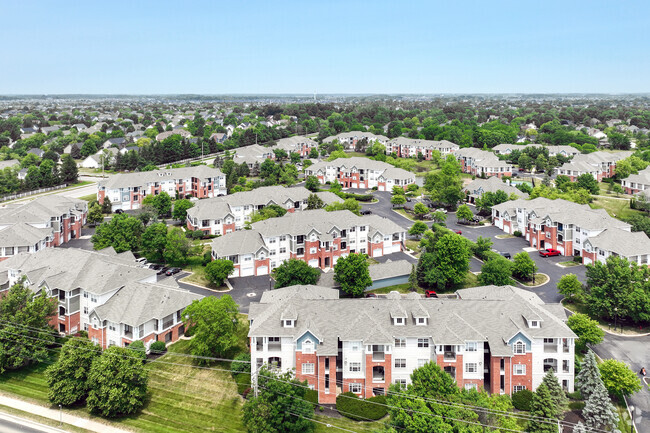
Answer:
(85, 294)
(283, 250)
(534, 324)
(112, 327)
(300, 251)
(362, 228)
(85, 310)
(470, 386)
(422, 362)
(288, 323)
(471, 367)
(519, 348)
(400, 382)
(519, 369)
(271, 253)
(400, 363)
(355, 346)
(93, 298)
(308, 368)
(398, 321)
(565, 366)
(307, 346)
(518, 388)
(355, 388)
(421, 321)
(423, 342)
(283, 238)
(471, 346)
(272, 240)
(549, 341)
(400, 342)
(355, 366)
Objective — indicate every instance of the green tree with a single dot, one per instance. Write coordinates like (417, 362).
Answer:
(439, 217)
(497, 271)
(107, 206)
(293, 272)
(586, 329)
(69, 171)
(351, 272)
(589, 376)
(619, 379)
(95, 215)
(218, 270)
(446, 185)
(543, 409)
(419, 209)
(122, 232)
(398, 190)
(350, 204)
(413, 279)
(588, 182)
(177, 247)
(447, 265)
(398, 200)
(154, 240)
(214, 324)
(571, 287)
(464, 213)
(312, 184)
(117, 383)
(180, 209)
(24, 330)
(556, 392)
(67, 378)
(280, 405)
(162, 203)
(431, 381)
(482, 247)
(418, 228)
(599, 412)
(138, 350)
(314, 202)
(523, 267)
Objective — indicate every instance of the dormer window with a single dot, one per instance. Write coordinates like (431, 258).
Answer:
(534, 323)
(421, 321)
(400, 321)
(288, 323)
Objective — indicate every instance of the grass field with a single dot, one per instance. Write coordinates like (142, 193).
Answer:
(617, 208)
(89, 197)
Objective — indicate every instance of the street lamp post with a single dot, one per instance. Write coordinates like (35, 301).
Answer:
(615, 317)
(270, 282)
(60, 416)
(631, 418)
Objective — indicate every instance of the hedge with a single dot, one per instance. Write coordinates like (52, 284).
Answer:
(243, 381)
(358, 409)
(158, 346)
(241, 364)
(311, 395)
(358, 197)
(521, 399)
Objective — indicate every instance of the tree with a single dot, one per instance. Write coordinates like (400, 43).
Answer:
(154, 240)
(541, 406)
(599, 412)
(350, 204)
(95, 215)
(280, 405)
(464, 213)
(523, 266)
(69, 172)
(419, 209)
(446, 185)
(313, 153)
(107, 206)
(351, 272)
(314, 202)
(398, 190)
(214, 323)
(555, 390)
(586, 329)
(293, 272)
(117, 383)
(312, 184)
(418, 228)
(413, 279)
(617, 189)
(446, 265)
(619, 379)
(24, 330)
(218, 270)
(122, 232)
(482, 247)
(439, 217)
(162, 203)
(138, 350)
(398, 200)
(497, 271)
(177, 247)
(588, 182)
(67, 378)
(431, 381)
(589, 376)
(571, 287)
(180, 209)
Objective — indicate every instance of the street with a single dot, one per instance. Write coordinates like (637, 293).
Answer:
(14, 424)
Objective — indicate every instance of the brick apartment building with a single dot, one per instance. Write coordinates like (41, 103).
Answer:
(600, 165)
(357, 172)
(482, 163)
(410, 148)
(349, 140)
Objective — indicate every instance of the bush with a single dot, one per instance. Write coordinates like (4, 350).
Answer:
(355, 408)
(516, 233)
(575, 395)
(158, 346)
(577, 405)
(138, 347)
(243, 381)
(358, 197)
(521, 399)
(311, 395)
(577, 259)
(241, 364)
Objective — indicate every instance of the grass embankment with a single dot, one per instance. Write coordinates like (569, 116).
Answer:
(615, 207)
(197, 270)
(569, 264)
(89, 197)
(579, 307)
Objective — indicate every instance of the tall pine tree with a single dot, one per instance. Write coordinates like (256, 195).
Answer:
(599, 412)
(542, 408)
(589, 376)
(556, 391)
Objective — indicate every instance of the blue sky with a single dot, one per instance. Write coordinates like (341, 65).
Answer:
(333, 46)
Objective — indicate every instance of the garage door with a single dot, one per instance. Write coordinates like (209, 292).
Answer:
(247, 272)
(235, 273)
(262, 270)
(377, 252)
(313, 263)
(561, 250)
(586, 260)
(506, 229)
(397, 248)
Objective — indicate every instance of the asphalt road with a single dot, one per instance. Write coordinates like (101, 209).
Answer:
(13, 425)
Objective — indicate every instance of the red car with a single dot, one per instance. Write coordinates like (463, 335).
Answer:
(430, 294)
(458, 232)
(549, 252)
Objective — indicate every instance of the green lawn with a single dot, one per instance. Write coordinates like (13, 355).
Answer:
(569, 264)
(539, 279)
(615, 207)
(413, 245)
(404, 214)
(195, 266)
(89, 197)
(402, 288)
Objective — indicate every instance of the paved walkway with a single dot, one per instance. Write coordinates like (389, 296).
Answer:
(54, 414)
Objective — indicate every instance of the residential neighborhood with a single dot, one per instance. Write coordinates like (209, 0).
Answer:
(358, 172)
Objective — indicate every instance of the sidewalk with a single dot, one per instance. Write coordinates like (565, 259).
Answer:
(54, 414)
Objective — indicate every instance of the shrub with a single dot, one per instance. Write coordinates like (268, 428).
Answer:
(577, 259)
(577, 405)
(241, 364)
(138, 347)
(198, 234)
(516, 233)
(158, 346)
(521, 399)
(358, 197)
(355, 408)
(575, 395)
(311, 395)
(243, 381)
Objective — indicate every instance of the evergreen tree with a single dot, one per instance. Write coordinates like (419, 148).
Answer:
(69, 171)
(589, 376)
(541, 406)
(579, 428)
(556, 391)
(599, 412)
(413, 279)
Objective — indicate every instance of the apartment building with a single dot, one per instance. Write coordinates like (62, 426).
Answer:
(317, 237)
(502, 339)
(635, 183)
(506, 149)
(221, 215)
(482, 163)
(573, 229)
(476, 188)
(360, 172)
(405, 147)
(252, 155)
(349, 140)
(103, 293)
(600, 165)
(126, 191)
(47, 221)
(298, 144)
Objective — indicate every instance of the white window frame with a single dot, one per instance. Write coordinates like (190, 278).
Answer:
(519, 369)
(307, 368)
(355, 367)
(400, 342)
(471, 367)
(355, 388)
(400, 363)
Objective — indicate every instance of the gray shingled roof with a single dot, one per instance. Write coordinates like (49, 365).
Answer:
(492, 184)
(140, 179)
(378, 271)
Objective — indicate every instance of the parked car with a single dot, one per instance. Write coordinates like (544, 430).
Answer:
(458, 232)
(365, 212)
(506, 255)
(155, 266)
(370, 295)
(162, 270)
(141, 260)
(430, 294)
(119, 211)
(172, 271)
(441, 209)
(549, 252)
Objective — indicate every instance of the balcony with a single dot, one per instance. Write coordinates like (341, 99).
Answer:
(550, 348)
(378, 375)
(378, 356)
(274, 346)
(449, 353)
(128, 334)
